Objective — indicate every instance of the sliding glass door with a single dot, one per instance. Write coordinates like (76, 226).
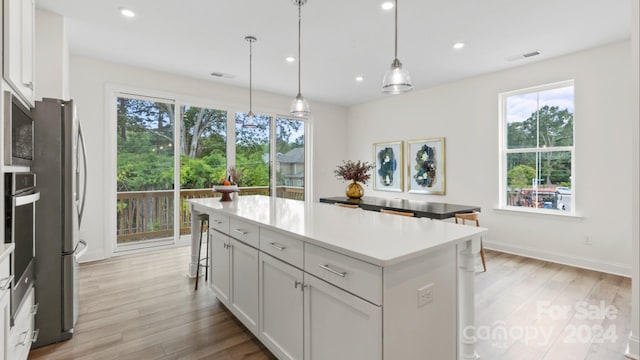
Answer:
(265, 155)
(203, 156)
(145, 172)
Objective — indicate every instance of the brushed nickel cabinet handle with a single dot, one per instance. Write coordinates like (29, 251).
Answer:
(241, 231)
(277, 246)
(335, 272)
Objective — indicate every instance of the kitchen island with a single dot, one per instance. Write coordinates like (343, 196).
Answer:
(316, 281)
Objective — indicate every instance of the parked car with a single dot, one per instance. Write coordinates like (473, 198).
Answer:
(563, 190)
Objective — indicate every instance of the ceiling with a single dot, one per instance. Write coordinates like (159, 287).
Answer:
(340, 39)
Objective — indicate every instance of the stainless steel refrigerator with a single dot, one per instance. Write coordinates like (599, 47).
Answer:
(60, 163)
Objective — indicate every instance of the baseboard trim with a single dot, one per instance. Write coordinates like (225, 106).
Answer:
(633, 347)
(615, 269)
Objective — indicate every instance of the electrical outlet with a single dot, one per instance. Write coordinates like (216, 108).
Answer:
(425, 295)
(588, 240)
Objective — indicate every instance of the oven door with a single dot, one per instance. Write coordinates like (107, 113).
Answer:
(23, 238)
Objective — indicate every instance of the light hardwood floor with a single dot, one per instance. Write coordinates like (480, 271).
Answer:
(144, 307)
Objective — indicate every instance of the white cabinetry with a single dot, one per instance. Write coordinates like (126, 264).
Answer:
(5, 297)
(23, 334)
(281, 307)
(244, 284)
(219, 255)
(19, 18)
(5, 313)
(339, 325)
(234, 269)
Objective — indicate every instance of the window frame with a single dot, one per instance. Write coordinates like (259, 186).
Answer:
(504, 151)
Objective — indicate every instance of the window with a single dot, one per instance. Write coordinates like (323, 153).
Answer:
(167, 150)
(537, 149)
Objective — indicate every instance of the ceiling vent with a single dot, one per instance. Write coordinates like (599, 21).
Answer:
(222, 75)
(524, 56)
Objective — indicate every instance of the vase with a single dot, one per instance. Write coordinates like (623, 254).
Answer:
(354, 191)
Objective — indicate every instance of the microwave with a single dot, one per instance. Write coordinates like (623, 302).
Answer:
(18, 132)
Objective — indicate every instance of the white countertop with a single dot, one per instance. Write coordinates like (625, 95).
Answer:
(381, 239)
(5, 250)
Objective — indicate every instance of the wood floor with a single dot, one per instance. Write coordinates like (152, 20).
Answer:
(144, 307)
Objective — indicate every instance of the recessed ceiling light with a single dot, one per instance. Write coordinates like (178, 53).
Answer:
(387, 5)
(127, 12)
(290, 59)
(458, 46)
(359, 78)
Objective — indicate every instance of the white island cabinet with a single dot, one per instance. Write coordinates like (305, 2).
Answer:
(314, 281)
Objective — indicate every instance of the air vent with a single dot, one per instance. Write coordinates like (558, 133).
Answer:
(222, 75)
(523, 56)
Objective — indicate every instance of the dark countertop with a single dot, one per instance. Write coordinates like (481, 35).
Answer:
(433, 210)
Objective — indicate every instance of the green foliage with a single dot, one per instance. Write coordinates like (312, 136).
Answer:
(145, 146)
(520, 176)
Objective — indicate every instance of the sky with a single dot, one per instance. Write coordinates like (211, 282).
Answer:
(521, 106)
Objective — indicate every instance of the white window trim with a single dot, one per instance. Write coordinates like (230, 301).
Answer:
(503, 151)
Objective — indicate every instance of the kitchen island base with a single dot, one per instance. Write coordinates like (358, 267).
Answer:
(314, 300)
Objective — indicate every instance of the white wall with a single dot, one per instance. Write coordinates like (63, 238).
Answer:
(51, 56)
(633, 351)
(90, 77)
(466, 114)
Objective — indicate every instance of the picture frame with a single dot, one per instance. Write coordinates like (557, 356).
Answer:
(426, 166)
(388, 160)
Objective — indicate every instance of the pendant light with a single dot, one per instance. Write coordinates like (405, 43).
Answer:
(299, 106)
(396, 80)
(250, 120)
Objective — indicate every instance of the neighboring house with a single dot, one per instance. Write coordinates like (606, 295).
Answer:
(291, 166)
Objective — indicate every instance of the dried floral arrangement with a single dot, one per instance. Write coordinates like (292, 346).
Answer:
(354, 171)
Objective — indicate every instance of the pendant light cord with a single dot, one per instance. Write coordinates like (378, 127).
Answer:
(299, 27)
(250, 75)
(396, 31)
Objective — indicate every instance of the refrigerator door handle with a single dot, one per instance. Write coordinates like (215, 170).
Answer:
(83, 251)
(84, 174)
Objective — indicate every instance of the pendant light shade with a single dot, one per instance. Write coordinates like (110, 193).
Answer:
(250, 120)
(396, 80)
(299, 106)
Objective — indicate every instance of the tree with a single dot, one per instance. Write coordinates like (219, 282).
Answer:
(520, 176)
(547, 127)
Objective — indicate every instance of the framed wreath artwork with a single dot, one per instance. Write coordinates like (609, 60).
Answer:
(426, 166)
(387, 158)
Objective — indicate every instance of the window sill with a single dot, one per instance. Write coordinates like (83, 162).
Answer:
(541, 213)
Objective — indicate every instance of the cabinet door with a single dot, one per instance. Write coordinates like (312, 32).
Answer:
(339, 325)
(244, 284)
(219, 265)
(4, 323)
(281, 307)
(18, 46)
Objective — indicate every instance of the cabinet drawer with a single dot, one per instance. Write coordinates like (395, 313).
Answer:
(219, 222)
(244, 231)
(281, 246)
(353, 275)
(22, 333)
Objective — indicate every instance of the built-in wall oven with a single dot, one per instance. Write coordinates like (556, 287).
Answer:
(20, 201)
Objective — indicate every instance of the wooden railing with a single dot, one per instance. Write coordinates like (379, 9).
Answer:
(144, 215)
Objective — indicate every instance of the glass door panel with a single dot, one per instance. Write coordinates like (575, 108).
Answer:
(252, 154)
(290, 158)
(145, 172)
(203, 156)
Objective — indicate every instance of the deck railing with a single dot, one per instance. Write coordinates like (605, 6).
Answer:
(144, 215)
